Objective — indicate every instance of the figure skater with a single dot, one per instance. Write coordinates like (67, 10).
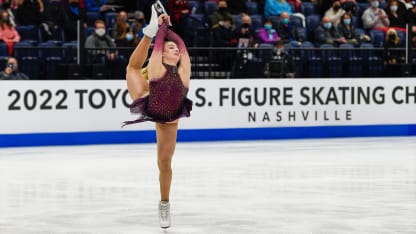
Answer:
(159, 92)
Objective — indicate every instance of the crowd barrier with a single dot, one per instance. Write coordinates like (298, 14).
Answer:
(74, 112)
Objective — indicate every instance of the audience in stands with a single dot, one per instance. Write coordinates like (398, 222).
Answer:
(244, 36)
(100, 39)
(411, 18)
(374, 17)
(335, 12)
(346, 29)
(8, 32)
(220, 14)
(392, 56)
(288, 31)
(138, 23)
(10, 7)
(326, 33)
(281, 64)
(179, 11)
(11, 72)
(237, 6)
(267, 34)
(276, 7)
(397, 15)
(223, 37)
(123, 33)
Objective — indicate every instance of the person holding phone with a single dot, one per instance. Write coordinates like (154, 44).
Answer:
(11, 72)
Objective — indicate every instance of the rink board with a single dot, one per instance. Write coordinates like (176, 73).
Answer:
(91, 112)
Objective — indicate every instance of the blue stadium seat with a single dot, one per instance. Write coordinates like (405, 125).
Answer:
(331, 61)
(28, 33)
(256, 21)
(312, 22)
(377, 37)
(307, 9)
(110, 19)
(28, 58)
(296, 21)
(4, 51)
(353, 64)
(312, 61)
(197, 30)
(237, 20)
(252, 8)
(195, 7)
(210, 7)
(70, 51)
(52, 54)
(372, 60)
(92, 17)
(275, 20)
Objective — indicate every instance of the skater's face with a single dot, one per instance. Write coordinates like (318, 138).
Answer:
(171, 52)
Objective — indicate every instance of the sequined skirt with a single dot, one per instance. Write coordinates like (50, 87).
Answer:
(141, 106)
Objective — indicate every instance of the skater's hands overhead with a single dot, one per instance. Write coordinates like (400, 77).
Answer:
(164, 18)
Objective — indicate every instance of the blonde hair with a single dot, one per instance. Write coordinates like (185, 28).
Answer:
(392, 31)
(144, 73)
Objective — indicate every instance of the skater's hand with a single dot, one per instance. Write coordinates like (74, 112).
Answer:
(164, 18)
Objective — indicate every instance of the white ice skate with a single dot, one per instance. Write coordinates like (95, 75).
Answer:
(151, 29)
(164, 214)
(159, 8)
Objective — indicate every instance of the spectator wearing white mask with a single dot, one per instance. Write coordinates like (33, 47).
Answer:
(100, 39)
(375, 17)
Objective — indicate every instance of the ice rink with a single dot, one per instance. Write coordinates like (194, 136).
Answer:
(322, 186)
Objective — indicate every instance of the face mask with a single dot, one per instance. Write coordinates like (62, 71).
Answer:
(328, 25)
(285, 21)
(245, 25)
(375, 4)
(100, 32)
(222, 9)
(393, 8)
(268, 26)
(129, 37)
(347, 21)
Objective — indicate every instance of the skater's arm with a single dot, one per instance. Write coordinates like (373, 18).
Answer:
(155, 61)
(185, 61)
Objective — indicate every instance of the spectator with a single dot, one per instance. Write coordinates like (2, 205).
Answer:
(237, 6)
(222, 37)
(10, 7)
(244, 35)
(96, 6)
(121, 26)
(99, 39)
(335, 12)
(276, 7)
(350, 6)
(397, 15)
(392, 41)
(220, 14)
(179, 11)
(326, 33)
(346, 29)
(138, 23)
(32, 12)
(8, 33)
(60, 15)
(411, 18)
(288, 31)
(267, 34)
(281, 64)
(375, 17)
(11, 72)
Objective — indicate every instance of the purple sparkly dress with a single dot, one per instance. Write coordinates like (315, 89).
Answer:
(167, 99)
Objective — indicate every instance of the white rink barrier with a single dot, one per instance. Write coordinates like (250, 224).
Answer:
(36, 113)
